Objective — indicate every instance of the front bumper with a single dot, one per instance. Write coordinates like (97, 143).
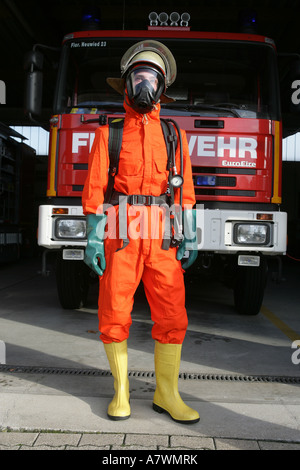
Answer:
(55, 228)
(234, 231)
(218, 231)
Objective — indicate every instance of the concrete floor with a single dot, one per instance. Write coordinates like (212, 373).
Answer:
(37, 332)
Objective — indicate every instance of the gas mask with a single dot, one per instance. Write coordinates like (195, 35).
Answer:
(145, 85)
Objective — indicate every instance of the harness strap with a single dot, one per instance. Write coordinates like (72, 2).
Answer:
(112, 197)
(140, 199)
(171, 143)
(114, 148)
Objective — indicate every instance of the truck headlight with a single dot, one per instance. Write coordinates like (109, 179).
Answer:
(251, 234)
(70, 228)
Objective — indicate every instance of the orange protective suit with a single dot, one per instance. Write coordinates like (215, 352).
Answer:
(142, 170)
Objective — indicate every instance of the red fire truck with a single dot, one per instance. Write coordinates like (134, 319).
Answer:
(228, 101)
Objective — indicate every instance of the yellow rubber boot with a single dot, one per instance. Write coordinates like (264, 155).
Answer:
(119, 407)
(166, 397)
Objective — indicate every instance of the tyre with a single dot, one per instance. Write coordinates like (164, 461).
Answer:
(249, 288)
(72, 280)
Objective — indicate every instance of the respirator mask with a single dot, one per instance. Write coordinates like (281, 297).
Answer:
(145, 85)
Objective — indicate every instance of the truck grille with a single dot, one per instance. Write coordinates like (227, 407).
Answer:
(224, 171)
(223, 192)
(216, 182)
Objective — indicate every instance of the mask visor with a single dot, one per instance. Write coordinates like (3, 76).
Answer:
(146, 78)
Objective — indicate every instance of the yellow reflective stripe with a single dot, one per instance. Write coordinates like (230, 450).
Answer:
(51, 191)
(283, 327)
(276, 199)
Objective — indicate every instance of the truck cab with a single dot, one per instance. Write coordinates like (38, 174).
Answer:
(227, 99)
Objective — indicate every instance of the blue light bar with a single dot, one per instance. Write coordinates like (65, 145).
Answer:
(205, 180)
(248, 21)
(91, 18)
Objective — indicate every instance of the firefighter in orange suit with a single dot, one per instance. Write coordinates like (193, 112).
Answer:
(147, 68)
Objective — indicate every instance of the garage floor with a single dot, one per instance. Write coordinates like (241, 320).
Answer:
(242, 366)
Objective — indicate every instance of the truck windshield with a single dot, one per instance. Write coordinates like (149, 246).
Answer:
(214, 77)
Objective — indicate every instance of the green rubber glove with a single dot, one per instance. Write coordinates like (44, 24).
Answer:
(189, 242)
(94, 253)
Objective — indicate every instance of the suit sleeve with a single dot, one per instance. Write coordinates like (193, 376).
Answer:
(97, 177)
(188, 191)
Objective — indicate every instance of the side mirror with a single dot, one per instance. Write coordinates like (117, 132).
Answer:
(33, 64)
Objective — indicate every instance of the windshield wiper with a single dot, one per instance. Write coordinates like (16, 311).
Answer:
(102, 118)
(208, 107)
(101, 105)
